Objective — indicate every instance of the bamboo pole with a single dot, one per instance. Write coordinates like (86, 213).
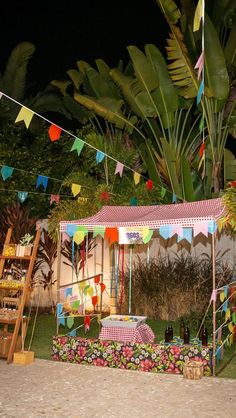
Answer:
(213, 303)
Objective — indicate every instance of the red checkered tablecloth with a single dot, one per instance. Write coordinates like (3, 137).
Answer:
(141, 334)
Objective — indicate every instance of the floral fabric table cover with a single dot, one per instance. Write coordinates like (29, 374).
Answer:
(134, 356)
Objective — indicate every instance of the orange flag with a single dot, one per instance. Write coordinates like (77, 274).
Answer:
(112, 235)
(54, 132)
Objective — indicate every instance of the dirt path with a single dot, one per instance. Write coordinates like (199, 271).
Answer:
(50, 389)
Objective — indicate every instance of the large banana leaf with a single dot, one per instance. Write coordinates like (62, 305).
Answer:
(76, 77)
(109, 109)
(143, 68)
(125, 84)
(230, 48)
(14, 78)
(147, 154)
(104, 70)
(170, 10)
(171, 163)
(181, 69)
(216, 74)
(99, 86)
(186, 180)
(229, 166)
(165, 96)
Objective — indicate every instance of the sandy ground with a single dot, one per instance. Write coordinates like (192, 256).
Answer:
(52, 389)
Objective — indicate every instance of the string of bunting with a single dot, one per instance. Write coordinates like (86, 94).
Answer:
(25, 115)
(226, 295)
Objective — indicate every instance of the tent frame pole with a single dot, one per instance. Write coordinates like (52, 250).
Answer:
(213, 304)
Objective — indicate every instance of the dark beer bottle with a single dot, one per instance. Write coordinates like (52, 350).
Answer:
(167, 335)
(186, 335)
(171, 332)
(182, 329)
(204, 336)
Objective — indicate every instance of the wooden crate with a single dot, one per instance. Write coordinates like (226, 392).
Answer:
(5, 342)
(193, 370)
(23, 357)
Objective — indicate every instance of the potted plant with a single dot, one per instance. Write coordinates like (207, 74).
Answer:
(25, 245)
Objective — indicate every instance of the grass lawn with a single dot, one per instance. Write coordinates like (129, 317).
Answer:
(46, 327)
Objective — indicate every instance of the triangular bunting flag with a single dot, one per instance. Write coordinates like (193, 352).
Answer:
(54, 133)
(199, 65)
(97, 279)
(22, 196)
(133, 201)
(79, 237)
(212, 227)
(25, 115)
(42, 180)
(77, 145)
(72, 333)
(6, 172)
(149, 184)
(201, 149)
(71, 229)
(147, 235)
(75, 188)
(136, 178)
(200, 92)
(103, 287)
(119, 168)
(200, 227)
(100, 157)
(198, 16)
(163, 192)
(54, 198)
(94, 301)
(70, 321)
(112, 234)
(99, 230)
(166, 231)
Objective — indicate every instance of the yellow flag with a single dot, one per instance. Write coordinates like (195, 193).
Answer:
(222, 296)
(231, 339)
(199, 12)
(227, 314)
(230, 327)
(82, 285)
(90, 291)
(25, 115)
(144, 232)
(136, 178)
(75, 188)
(78, 237)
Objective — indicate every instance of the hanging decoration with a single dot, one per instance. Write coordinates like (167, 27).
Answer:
(75, 188)
(22, 196)
(42, 180)
(77, 145)
(25, 115)
(100, 157)
(54, 198)
(6, 172)
(136, 178)
(149, 184)
(54, 133)
(119, 168)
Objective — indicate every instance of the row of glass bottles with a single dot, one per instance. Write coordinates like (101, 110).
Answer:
(184, 334)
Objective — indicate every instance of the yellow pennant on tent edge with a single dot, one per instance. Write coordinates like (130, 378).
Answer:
(146, 234)
(231, 327)
(78, 237)
(75, 188)
(198, 15)
(25, 115)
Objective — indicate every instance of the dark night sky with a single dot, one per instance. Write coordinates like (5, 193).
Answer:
(78, 30)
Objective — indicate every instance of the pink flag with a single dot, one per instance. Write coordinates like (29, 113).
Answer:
(54, 198)
(199, 65)
(214, 295)
(177, 229)
(200, 228)
(119, 169)
(65, 237)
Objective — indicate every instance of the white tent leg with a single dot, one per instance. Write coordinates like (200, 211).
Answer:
(213, 304)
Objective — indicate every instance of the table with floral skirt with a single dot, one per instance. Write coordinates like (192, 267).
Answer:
(150, 357)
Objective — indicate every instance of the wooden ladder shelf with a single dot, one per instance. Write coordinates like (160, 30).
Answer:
(26, 287)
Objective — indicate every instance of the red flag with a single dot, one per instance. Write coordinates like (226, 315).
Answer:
(232, 183)
(97, 279)
(54, 132)
(87, 321)
(94, 301)
(149, 184)
(103, 287)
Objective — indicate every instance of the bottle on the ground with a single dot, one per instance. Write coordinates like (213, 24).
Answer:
(171, 332)
(167, 335)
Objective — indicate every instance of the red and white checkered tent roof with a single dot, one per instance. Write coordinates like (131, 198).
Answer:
(183, 214)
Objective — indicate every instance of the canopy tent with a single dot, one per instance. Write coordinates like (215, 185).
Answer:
(201, 216)
(183, 214)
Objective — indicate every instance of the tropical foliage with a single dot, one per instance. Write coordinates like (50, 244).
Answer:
(155, 102)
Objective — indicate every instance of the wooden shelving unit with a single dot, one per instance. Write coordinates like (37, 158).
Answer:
(25, 290)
